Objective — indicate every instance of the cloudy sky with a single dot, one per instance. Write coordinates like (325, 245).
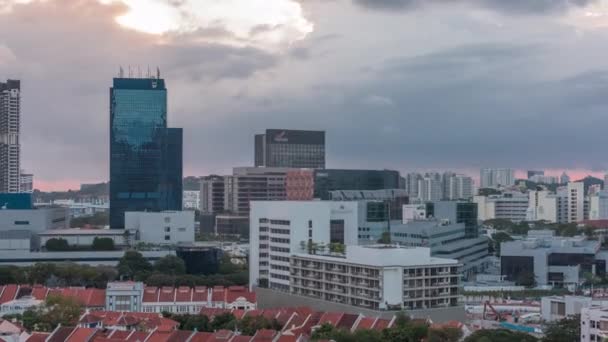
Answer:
(404, 84)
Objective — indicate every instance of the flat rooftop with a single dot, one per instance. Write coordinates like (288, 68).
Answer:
(82, 231)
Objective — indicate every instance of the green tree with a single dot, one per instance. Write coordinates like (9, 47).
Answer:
(131, 264)
(57, 245)
(223, 321)
(564, 330)
(170, 264)
(500, 335)
(526, 278)
(324, 332)
(499, 238)
(447, 334)
(56, 310)
(103, 244)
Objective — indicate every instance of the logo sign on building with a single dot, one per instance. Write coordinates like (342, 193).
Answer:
(281, 137)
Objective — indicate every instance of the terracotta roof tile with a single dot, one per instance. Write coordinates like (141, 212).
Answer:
(81, 335)
(9, 293)
(201, 337)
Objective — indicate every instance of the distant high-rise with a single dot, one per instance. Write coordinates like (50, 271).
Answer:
(495, 178)
(532, 173)
(145, 155)
(26, 182)
(564, 178)
(290, 148)
(10, 148)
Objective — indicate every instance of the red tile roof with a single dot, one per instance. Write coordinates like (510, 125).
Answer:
(150, 294)
(332, 318)
(366, 323)
(201, 337)
(234, 293)
(60, 334)
(200, 294)
(241, 338)
(8, 293)
(183, 294)
(39, 292)
(37, 337)
(167, 294)
(138, 336)
(218, 294)
(180, 336)
(81, 335)
(264, 335)
(221, 335)
(381, 324)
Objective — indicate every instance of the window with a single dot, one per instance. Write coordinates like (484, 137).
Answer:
(167, 237)
(336, 231)
(22, 223)
(167, 219)
(309, 223)
(167, 229)
(181, 229)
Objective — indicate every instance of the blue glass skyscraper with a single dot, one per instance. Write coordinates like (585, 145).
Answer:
(145, 155)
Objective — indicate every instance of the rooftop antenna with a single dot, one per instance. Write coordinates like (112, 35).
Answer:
(121, 73)
(149, 75)
(158, 73)
(139, 71)
(130, 72)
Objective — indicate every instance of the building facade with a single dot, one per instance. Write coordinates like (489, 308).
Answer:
(290, 148)
(334, 179)
(26, 182)
(598, 206)
(145, 155)
(10, 127)
(34, 220)
(576, 202)
(509, 206)
(495, 178)
(278, 229)
(191, 200)
(164, 228)
(212, 195)
(377, 278)
(594, 324)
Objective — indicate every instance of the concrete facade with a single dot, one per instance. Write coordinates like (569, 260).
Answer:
(166, 227)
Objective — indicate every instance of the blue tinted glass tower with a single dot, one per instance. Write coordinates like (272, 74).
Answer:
(145, 155)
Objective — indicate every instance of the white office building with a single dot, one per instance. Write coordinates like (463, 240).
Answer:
(555, 308)
(279, 228)
(598, 206)
(509, 206)
(165, 227)
(377, 278)
(34, 220)
(496, 178)
(576, 202)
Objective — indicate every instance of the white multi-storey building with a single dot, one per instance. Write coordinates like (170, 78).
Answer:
(495, 178)
(510, 206)
(26, 182)
(430, 189)
(377, 277)
(280, 228)
(543, 206)
(576, 202)
(598, 206)
(459, 187)
(594, 324)
(10, 148)
(165, 227)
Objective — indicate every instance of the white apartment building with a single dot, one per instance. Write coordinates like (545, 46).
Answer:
(279, 228)
(594, 324)
(495, 178)
(576, 202)
(598, 206)
(510, 206)
(544, 205)
(460, 187)
(430, 189)
(10, 147)
(165, 227)
(555, 308)
(377, 277)
(191, 200)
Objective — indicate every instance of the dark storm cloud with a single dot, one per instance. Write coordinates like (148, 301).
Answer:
(508, 6)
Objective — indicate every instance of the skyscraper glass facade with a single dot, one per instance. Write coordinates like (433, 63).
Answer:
(145, 155)
(290, 148)
(331, 179)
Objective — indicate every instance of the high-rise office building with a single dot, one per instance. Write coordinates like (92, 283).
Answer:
(564, 178)
(532, 173)
(145, 155)
(10, 148)
(290, 148)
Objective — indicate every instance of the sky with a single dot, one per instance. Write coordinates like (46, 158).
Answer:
(411, 85)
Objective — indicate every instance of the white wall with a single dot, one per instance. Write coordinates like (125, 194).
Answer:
(34, 220)
(167, 227)
(299, 213)
(392, 291)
